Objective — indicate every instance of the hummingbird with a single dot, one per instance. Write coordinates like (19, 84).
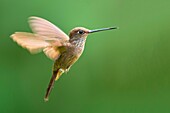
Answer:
(63, 49)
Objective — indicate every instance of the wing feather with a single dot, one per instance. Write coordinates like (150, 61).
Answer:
(32, 42)
(46, 37)
(52, 53)
(43, 27)
(35, 44)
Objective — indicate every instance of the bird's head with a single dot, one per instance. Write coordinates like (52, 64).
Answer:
(81, 32)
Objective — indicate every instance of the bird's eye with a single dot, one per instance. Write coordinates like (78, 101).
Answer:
(81, 32)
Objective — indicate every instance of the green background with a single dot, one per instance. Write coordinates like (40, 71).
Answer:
(121, 71)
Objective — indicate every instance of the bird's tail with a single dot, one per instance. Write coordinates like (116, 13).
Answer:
(55, 76)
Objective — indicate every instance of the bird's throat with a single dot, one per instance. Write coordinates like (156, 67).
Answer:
(78, 42)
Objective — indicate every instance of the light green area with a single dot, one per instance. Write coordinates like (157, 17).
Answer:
(121, 71)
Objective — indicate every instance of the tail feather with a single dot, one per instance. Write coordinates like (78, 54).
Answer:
(55, 76)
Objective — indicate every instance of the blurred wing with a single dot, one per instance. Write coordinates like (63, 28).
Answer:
(45, 28)
(35, 43)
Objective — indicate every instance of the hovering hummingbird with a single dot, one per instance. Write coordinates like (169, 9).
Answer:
(62, 49)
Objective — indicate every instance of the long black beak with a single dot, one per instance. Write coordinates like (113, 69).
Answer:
(102, 29)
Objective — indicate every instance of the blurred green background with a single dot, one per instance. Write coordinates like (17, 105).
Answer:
(121, 71)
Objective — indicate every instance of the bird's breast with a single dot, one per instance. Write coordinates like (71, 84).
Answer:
(74, 49)
(69, 57)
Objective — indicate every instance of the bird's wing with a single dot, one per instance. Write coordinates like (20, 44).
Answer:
(33, 42)
(45, 28)
(47, 37)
